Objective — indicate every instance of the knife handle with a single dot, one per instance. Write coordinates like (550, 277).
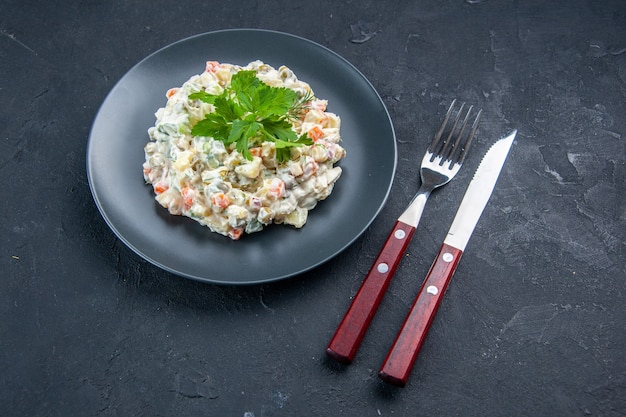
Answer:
(349, 334)
(401, 357)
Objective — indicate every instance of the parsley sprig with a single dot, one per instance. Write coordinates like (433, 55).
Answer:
(250, 112)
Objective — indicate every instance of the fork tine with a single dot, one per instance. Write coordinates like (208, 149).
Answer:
(459, 135)
(435, 143)
(462, 130)
(468, 142)
(446, 152)
(451, 151)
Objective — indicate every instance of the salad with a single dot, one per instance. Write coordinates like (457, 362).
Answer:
(237, 148)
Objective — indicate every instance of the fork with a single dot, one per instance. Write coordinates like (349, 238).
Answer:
(439, 165)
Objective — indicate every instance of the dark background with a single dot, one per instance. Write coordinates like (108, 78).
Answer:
(533, 323)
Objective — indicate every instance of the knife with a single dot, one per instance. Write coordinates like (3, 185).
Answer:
(401, 357)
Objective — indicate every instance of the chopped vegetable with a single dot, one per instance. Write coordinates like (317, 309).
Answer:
(239, 148)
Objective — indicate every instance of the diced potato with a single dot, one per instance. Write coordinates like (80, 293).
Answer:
(183, 161)
(251, 169)
(319, 153)
(297, 218)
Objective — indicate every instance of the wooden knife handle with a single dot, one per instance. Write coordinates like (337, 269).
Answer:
(349, 334)
(400, 359)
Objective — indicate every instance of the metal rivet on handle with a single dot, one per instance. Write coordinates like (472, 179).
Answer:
(447, 257)
(382, 267)
(399, 234)
(432, 290)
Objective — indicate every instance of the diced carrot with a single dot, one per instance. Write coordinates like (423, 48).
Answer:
(316, 133)
(235, 234)
(188, 194)
(171, 92)
(161, 187)
(277, 189)
(256, 151)
(220, 200)
(318, 105)
(147, 169)
(212, 66)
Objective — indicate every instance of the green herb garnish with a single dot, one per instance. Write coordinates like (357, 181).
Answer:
(251, 112)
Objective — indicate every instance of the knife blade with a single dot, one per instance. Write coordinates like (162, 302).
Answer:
(403, 353)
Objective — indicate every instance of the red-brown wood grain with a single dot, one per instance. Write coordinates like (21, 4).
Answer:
(399, 361)
(348, 336)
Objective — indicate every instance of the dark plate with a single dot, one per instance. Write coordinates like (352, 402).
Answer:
(184, 247)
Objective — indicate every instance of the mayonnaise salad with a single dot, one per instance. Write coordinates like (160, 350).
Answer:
(213, 183)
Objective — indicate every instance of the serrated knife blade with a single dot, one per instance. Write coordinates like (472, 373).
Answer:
(478, 193)
(403, 353)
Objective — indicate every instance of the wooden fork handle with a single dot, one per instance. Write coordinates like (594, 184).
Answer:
(403, 353)
(348, 336)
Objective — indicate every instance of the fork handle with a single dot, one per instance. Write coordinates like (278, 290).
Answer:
(401, 357)
(349, 334)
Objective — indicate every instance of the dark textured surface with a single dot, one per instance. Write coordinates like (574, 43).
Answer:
(533, 322)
